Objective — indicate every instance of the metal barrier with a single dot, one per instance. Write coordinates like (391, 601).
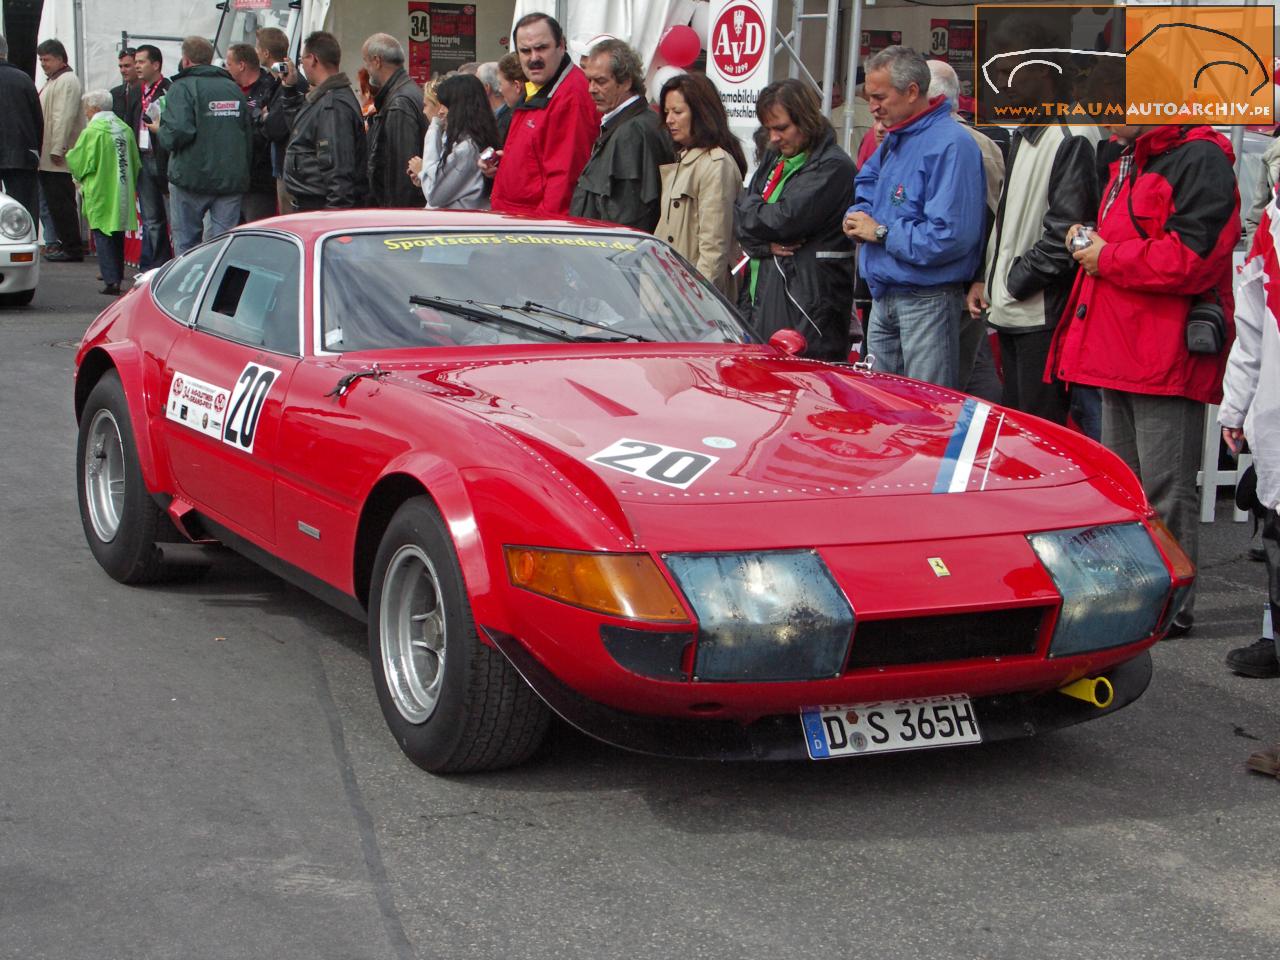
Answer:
(1210, 477)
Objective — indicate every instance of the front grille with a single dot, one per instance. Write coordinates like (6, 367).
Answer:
(960, 636)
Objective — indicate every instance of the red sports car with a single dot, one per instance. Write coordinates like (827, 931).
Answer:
(556, 473)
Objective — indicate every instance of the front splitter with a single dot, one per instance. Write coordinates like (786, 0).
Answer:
(782, 737)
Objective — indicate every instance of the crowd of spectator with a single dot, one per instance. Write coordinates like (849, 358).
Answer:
(1084, 252)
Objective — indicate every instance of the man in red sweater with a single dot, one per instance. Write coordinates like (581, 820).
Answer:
(552, 128)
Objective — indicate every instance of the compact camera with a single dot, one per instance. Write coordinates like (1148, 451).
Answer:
(1206, 326)
(487, 154)
(1082, 239)
(280, 68)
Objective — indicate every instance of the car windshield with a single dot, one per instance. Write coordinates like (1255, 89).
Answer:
(424, 289)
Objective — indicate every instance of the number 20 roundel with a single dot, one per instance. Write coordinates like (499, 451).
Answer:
(655, 461)
(247, 398)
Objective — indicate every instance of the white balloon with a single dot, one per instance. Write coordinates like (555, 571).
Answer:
(701, 21)
(662, 75)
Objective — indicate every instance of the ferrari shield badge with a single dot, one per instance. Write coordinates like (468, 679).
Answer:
(939, 568)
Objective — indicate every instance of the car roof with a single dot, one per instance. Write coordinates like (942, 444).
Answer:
(313, 224)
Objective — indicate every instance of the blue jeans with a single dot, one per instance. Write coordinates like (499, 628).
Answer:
(915, 332)
(187, 209)
(49, 232)
(110, 247)
(155, 214)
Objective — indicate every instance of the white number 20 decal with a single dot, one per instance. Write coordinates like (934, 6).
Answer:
(247, 398)
(654, 461)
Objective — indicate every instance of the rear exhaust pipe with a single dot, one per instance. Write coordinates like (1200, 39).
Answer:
(1095, 690)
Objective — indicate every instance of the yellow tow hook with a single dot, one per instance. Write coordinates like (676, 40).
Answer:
(1095, 690)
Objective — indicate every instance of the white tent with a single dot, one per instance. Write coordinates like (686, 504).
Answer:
(93, 41)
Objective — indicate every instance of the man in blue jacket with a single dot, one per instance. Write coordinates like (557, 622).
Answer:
(918, 213)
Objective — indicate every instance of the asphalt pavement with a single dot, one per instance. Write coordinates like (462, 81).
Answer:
(200, 770)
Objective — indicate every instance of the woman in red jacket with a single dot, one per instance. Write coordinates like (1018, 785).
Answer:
(1169, 221)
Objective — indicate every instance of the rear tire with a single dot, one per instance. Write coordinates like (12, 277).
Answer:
(121, 521)
(453, 703)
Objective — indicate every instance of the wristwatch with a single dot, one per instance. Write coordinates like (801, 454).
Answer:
(882, 231)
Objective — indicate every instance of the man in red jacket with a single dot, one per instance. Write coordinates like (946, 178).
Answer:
(552, 128)
(1169, 220)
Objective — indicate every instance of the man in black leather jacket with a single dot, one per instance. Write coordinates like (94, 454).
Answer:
(324, 163)
(788, 221)
(24, 134)
(397, 130)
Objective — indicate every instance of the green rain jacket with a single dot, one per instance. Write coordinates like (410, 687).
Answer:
(105, 163)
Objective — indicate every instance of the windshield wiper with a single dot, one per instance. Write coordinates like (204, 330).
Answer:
(482, 313)
(531, 306)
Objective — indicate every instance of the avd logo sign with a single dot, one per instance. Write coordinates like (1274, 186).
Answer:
(738, 40)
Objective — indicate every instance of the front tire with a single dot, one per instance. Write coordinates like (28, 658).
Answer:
(453, 703)
(121, 521)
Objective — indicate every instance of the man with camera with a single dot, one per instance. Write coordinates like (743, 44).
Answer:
(275, 121)
(1149, 317)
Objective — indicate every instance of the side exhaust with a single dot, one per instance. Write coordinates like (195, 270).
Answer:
(1095, 690)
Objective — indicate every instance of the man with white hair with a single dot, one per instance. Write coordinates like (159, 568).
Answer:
(105, 163)
(397, 129)
(488, 74)
(918, 215)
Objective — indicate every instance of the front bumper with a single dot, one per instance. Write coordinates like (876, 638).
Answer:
(17, 276)
(781, 737)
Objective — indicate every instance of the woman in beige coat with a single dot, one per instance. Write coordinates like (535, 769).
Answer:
(699, 189)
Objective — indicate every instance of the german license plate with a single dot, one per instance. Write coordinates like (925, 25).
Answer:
(888, 725)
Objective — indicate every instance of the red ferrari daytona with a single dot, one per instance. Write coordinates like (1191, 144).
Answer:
(556, 473)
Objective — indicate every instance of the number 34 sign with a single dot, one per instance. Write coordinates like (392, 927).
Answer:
(419, 24)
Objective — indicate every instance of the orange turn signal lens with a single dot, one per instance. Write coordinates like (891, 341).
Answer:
(22, 258)
(1180, 564)
(621, 584)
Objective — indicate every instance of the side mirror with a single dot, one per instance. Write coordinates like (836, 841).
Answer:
(790, 342)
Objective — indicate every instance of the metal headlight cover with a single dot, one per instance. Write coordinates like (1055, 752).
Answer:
(1113, 581)
(776, 615)
(15, 222)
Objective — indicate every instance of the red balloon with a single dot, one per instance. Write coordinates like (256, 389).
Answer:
(680, 45)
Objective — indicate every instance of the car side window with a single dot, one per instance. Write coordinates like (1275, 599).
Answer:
(253, 297)
(181, 283)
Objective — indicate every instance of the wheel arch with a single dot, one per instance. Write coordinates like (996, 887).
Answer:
(123, 359)
(443, 486)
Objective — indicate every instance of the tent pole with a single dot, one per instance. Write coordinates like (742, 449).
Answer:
(77, 20)
(829, 55)
(851, 77)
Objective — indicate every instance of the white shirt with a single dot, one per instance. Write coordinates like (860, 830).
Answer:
(619, 108)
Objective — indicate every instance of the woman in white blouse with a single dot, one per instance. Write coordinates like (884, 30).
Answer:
(460, 130)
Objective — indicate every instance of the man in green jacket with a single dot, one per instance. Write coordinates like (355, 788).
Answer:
(205, 126)
(105, 162)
